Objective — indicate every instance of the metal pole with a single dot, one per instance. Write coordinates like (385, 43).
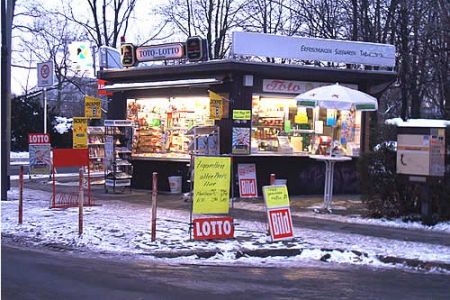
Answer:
(21, 195)
(45, 110)
(6, 27)
(80, 203)
(154, 204)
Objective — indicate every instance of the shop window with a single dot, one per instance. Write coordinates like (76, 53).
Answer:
(162, 124)
(279, 126)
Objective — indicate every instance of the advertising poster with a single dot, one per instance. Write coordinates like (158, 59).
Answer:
(240, 140)
(213, 228)
(211, 185)
(278, 212)
(247, 181)
(39, 149)
(80, 137)
(92, 107)
(215, 106)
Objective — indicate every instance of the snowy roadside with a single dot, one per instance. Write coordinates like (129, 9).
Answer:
(119, 227)
(397, 223)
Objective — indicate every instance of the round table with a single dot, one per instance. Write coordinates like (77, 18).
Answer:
(329, 174)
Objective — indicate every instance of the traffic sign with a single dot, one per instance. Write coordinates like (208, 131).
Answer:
(45, 74)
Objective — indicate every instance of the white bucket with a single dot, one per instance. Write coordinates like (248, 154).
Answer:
(280, 182)
(175, 184)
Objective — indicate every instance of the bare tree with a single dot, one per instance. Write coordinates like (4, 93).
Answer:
(106, 20)
(211, 19)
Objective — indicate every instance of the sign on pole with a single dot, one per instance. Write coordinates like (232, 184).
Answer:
(45, 74)
(278, 212)
(39, 151)
(215, 106)
(80, 138)
(92, 107)
(247, 181)
(211, 185)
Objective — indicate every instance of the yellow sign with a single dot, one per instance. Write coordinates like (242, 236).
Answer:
(242, 114)
(92, 107)
(80, 138)
(215, 106)
(211, 185)
(276, 196)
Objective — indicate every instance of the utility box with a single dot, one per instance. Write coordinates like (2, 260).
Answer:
(421, 151)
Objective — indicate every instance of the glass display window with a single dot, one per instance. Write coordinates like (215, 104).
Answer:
(162, 123)
(279, 126)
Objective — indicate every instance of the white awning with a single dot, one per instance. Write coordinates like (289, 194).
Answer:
(161, 84)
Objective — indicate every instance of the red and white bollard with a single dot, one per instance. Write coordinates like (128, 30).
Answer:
(21, 195)
(80, 203)
(154, 204)
(272, 179)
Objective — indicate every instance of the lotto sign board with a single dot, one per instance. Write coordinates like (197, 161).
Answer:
(45, 74)
(247, 181)
(278, 212)
(92, 107)
(80, 138)
(280, 223)
(40, 153)
(101, 88)
(211, 185)
(213, 228)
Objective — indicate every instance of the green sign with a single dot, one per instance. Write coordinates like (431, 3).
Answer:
(242, 114)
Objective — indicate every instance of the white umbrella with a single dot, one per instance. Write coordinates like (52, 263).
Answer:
(337, 97)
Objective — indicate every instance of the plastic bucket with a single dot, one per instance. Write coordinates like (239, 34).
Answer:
(280, 182)
(175, 184)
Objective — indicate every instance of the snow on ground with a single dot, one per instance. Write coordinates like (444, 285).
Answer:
(356, 219)
(124, 228)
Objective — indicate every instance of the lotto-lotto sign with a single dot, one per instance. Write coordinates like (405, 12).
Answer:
(92, 107)
(280, 222)
(247, 181)
(211, 185)
(101, 88)
(38, 138)
(213, 228)
(80, 138)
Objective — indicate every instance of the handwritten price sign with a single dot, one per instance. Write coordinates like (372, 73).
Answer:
(211, 185)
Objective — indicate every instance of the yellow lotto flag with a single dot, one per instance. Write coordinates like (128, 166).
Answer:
(80, 137)
(276, 196)
(92, 107)
(211, 185)
(215, 106)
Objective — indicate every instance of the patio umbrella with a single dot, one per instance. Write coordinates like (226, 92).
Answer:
(337, 97)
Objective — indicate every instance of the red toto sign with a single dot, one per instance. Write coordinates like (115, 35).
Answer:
(38, 138)
(280, 224)
(213, 228)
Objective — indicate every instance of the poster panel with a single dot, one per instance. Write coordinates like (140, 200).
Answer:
(240, 140)
(80, 137)
(211, 185)
(92, 107)
(40, 158)
(280, 222)
(247, 181)
(276, 196)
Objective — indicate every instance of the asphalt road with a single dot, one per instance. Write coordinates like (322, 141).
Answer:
(46, 274)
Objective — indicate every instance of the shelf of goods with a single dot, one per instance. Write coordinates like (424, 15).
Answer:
(96, 147)
(118, 145)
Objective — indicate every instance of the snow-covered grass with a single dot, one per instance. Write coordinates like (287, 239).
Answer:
(124, 228)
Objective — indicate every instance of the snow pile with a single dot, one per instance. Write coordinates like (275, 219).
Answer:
(62, 124)
(417, 122)
(124, 228)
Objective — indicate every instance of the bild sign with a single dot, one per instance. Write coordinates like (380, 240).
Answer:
(160, 52)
